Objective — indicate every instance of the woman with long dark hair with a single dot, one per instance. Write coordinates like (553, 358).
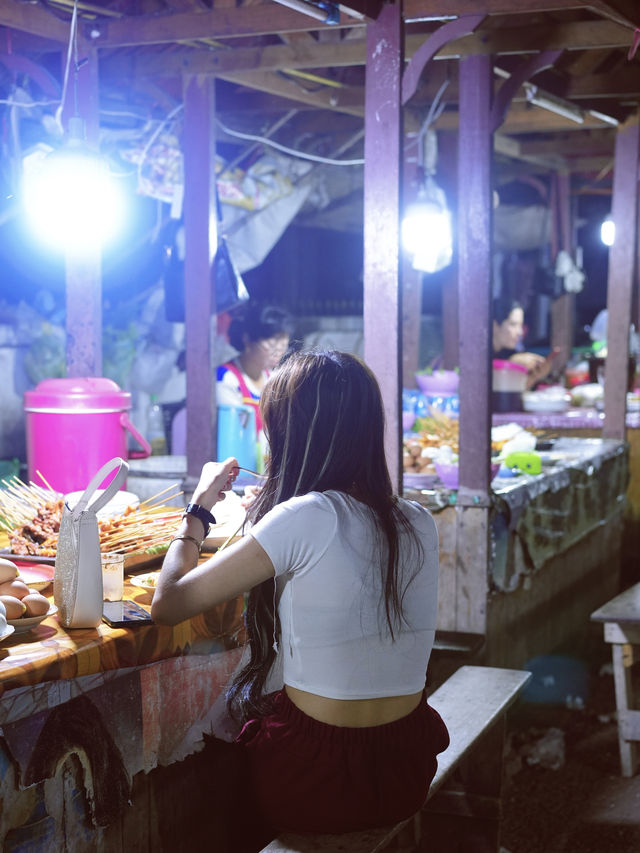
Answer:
(342, 576)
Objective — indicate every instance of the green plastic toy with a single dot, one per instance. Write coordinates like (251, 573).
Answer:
(525, 460)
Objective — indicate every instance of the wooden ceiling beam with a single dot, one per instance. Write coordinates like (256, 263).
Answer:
(626, 12)
(593, 143)
(504, 146)
(348, 99)
(297, 54)
(527, 118)
(311, 54)
(615, 84)
(255, 20)
(35, 20)
(513, 41)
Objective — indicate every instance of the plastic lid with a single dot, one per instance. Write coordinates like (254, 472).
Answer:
(499, 364)
(96, 392)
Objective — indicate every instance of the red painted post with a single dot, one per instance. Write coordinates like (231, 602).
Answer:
(448, 175)
(198, 145)
(563, 309)
(474, 277)
(382, 204)
(411, 283)
(622, 257)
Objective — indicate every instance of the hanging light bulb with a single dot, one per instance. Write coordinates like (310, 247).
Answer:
(426, 226)
(608, 232)
(72, 201)
(426, 229)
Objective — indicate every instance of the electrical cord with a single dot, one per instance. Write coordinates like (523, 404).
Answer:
(291, 151)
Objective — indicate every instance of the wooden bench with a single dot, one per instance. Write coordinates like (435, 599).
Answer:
(621, 617)
(463, 809)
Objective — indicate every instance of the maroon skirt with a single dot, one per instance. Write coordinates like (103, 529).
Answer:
(308, 776)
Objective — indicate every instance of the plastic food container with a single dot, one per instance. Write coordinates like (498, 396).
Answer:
(439, 382)
(74, 426)
(508, 384)
(448, 473)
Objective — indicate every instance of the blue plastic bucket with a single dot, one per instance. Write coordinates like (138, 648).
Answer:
(237, 435)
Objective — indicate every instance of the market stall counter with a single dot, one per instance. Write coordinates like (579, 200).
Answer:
(583, 422)
(586, 422)
(554, 551)
(93, 720)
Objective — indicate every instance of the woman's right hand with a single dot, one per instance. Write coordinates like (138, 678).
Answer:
(216, 478)
(538, 367)
(531, 360)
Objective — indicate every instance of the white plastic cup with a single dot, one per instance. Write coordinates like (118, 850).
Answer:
(112, 576)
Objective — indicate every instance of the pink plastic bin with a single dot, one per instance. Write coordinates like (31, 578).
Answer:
(73, 427)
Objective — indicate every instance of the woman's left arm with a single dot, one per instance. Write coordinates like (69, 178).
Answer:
(185, 589)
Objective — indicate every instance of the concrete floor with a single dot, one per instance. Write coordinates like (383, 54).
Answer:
(584, 805)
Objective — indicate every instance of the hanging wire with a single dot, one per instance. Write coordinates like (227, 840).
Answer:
(72, 40)
(301, 154)
(76, 65)
(156, 133)
(435, 111)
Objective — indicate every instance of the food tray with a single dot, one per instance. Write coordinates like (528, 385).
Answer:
(132, 562)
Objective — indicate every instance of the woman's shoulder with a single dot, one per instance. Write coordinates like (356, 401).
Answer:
(309, 502)
(418, 515)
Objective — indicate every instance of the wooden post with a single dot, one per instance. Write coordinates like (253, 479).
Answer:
(474, 289)
(200, 242)
(563, 308)
(411, 289)
(382, 205)
(84, 274)
(448, 169)
(474, 274)
(622, 257)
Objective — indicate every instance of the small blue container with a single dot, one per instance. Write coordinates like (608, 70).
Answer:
(448, 404)
(237, 435)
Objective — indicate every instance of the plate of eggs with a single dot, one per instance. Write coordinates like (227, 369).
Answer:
(24, 607)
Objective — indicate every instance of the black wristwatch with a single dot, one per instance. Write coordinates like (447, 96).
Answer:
(202, 514)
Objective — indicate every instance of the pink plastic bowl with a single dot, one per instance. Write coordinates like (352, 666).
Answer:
(448, 473)
(438, 382)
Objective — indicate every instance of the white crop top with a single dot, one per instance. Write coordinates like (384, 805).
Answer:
(334, 639)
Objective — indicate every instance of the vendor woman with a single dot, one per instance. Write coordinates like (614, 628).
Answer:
(508, 331)
(261, 334)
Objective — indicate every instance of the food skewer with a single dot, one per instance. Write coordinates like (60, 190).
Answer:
(153, 498)
(31, 516)
(42, 477)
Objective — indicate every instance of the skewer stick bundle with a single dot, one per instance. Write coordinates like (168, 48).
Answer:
(151, 525)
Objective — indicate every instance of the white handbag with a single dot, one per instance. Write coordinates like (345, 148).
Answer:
(77, 582)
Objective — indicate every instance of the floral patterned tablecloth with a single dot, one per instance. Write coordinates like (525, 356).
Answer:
(49, 652)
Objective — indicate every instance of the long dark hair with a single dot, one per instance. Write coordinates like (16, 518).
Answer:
(324, 420)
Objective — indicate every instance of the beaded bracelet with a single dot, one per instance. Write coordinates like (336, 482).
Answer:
(187, 538)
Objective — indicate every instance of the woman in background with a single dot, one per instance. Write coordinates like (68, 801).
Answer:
(508, 331)
(261, 334)
(343, 580)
